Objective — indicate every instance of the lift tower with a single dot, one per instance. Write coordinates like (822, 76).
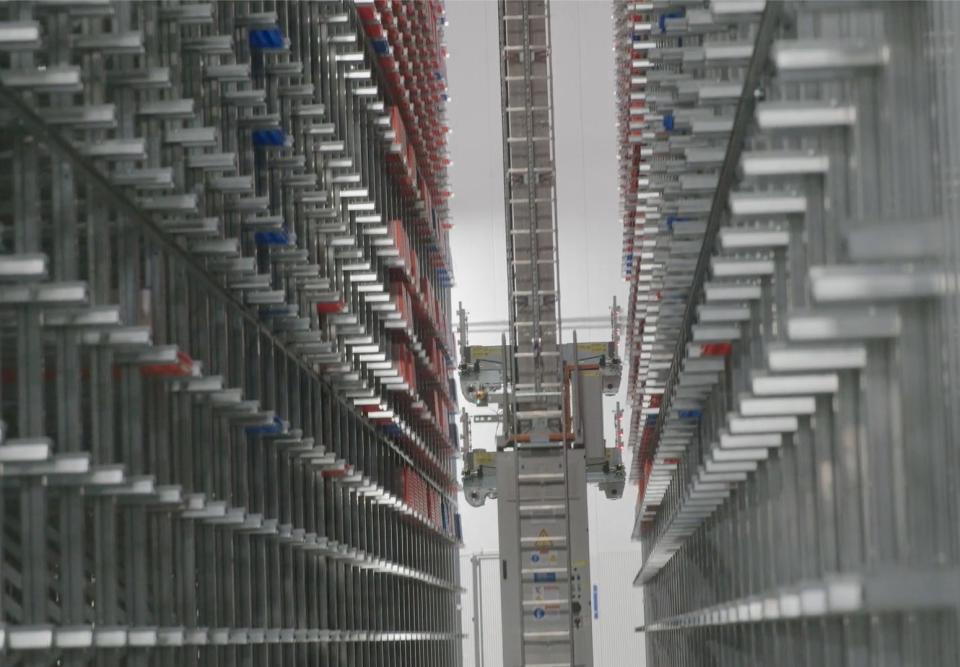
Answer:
(550, 394)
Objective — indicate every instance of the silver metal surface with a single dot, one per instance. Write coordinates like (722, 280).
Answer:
(225, 395)
(792, 329)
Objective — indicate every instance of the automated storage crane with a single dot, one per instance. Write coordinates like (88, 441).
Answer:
(549, 393)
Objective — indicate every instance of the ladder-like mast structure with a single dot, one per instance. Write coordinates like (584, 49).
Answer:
(549, 393)
(542, 489)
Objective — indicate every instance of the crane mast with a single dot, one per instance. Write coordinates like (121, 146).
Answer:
(550, 394)
(530, 213)
(541, 482)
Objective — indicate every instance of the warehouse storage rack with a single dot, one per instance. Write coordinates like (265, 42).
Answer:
(225, 342)
(792, 245)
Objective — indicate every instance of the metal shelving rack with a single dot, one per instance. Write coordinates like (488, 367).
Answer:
(225, 346)
(792, 247)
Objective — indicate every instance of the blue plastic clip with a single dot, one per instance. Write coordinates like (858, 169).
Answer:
(671, 219)
(458, 527)
(277, 427)
(668, 122)
(690, 414)
(266, 38)
(269, 138)
(272, 237)
(381, 46)
(678, 14)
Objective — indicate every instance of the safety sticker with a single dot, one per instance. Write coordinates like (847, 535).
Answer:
(543, 543)
(539, 613)
(540, 577)
(483, 458)
(486, 352)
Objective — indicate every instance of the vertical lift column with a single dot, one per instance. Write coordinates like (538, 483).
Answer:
(549, 393)
(542, 493)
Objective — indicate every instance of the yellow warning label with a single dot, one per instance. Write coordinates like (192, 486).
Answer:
(543, 543)
(482, 458)
(486, 352)
(579, 563)
(591, 348)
